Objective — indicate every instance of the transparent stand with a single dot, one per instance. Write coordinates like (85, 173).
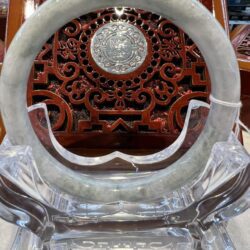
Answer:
(216, 237)
(190, 217)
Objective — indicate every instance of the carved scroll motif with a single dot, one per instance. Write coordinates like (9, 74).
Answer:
(81, 97)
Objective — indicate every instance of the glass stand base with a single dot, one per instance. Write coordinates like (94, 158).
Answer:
(165, 238)
(192, 216)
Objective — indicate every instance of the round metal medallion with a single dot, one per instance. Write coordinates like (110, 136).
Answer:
(119, 48)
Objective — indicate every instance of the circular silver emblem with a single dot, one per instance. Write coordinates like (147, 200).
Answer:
(119, 48)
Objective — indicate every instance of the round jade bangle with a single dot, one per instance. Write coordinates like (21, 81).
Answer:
(220, 58)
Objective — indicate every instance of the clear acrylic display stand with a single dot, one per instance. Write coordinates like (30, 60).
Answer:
(192, 217)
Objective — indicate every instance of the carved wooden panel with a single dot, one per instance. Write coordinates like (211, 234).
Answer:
(241, 41)
(83, 98)
(244, 46)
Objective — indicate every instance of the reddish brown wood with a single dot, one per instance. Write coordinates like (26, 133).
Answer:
(245, 112)
(3, 17)
(241, 42)
(2, 130)
(208, 4)
(15, 19)
(83, 99)
(245, 78)
(219, 9)
(2, 27)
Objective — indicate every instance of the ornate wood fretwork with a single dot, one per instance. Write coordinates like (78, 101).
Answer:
(82, 98)
(241, 42)
(16, 17)
(244, 47)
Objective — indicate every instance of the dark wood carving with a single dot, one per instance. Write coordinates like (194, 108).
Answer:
(244, 47)
(241, 42)
(84, 100)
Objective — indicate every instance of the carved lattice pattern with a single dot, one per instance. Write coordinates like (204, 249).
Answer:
(244, 46)
(82, 98)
